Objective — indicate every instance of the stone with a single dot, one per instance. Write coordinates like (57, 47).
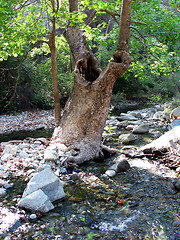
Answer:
(6, 157)
(110, 173)
(130, 127)
(2, 191)
(174, 124)
(143, 128)
(136, 114)
(33, 216)
(21, 146)
(121, 166)
(48, 182)
(163, 142)
(126, 138)
(23, 154)
(177, 184)
(50, 155)
(36, 201)
(175, 113)
(126, 116)
(158, 115)
(10, 149)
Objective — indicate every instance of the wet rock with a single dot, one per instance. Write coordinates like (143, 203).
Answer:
(2, 182)
(8, 185)
(174, 124)
(120, 166)
(110, 173)
(126, 116)
(130, 127)
(127, 138)
(2, 191)
(143, 128)
(48, 182)
(158, 115)
(36, 201)
(175, 113)
(33, 216)
(136, 114)
(177, 184)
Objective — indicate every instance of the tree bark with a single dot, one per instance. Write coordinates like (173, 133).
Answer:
(54, 72)
(85, 113)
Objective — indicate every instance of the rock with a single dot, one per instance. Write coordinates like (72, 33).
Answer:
(110, 173)
(23, 154)
(130, 127)
(158, 115)
(50, 155)
(164, 142)
(36, 201)
(48, 182)
(2, 182)
(8, 185)
(22, 146)
(177, 184)
(2, 191)
(136, 114)
(10, 149)
(33, 216)
(121, 166)
(175, 113)
(126, 116)
(174, 124)
(126, 138)
(143, 128)
(6, 157)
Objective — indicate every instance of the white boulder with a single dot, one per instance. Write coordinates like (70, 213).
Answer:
(143, 128)
(126, 138)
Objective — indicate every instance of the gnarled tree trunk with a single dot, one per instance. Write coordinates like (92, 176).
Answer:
(86, 111)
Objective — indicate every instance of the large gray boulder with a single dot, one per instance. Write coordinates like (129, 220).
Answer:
(166, 141)
(50, 186)
(36, 201)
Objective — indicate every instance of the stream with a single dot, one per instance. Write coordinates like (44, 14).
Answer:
(141, 203)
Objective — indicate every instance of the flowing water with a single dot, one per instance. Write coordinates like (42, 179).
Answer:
(141, 203)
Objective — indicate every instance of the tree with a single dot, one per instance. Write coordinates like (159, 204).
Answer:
(86, 111)
(18, 20)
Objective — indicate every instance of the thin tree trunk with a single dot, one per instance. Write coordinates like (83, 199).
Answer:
(54, 71)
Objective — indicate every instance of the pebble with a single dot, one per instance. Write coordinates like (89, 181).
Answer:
(2, 191)
(33, 216)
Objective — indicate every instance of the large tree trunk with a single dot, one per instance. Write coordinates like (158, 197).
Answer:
(86, 111)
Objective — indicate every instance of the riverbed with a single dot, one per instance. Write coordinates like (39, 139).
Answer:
(141, 203)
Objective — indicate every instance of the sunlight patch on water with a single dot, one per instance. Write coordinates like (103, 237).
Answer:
(119, 225)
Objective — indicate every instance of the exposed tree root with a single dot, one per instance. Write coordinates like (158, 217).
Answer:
(86, 154)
